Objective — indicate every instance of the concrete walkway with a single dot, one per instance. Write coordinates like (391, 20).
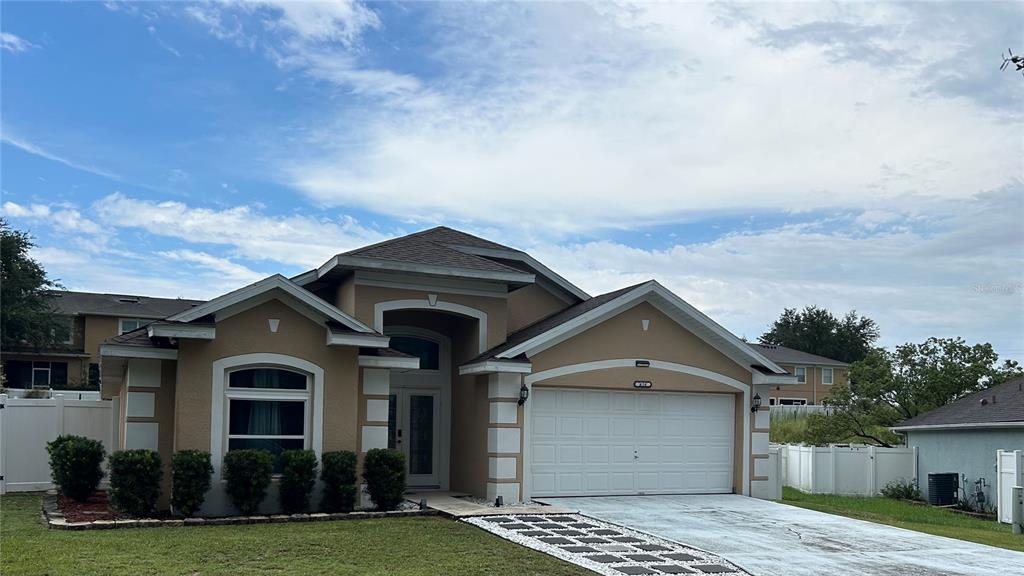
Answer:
(455, 505)
(771, 539)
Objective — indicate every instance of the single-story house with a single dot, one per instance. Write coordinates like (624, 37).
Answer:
(492, 373)
(962, 437)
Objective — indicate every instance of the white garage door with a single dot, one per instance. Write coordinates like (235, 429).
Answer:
(595, 442)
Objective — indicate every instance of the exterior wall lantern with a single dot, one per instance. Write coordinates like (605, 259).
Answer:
(755, 405)
(524, 393)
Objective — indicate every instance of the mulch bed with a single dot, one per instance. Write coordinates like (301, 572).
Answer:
(97, 507)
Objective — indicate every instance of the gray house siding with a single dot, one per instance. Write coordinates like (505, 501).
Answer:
(969, 452)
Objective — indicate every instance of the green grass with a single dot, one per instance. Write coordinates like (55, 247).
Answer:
(406, 546)
(917, 517)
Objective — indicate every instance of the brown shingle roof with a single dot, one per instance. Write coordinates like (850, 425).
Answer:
(783, 355)
(431, 247)
(1001, 403)
(140, 338)
(127, 305)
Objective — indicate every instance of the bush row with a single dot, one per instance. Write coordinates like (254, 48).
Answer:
(135, 477)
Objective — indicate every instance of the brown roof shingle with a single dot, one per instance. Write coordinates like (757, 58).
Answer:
(431, 247)
(127, 305)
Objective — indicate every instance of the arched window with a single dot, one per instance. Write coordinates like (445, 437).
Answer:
(427, 351)
(268, 408)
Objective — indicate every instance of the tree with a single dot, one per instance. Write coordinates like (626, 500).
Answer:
(888, 387)
(818, 331)
(27, 317)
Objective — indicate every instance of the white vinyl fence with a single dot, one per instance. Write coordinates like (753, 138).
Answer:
(1009, 473)
(27, 424)
(847, 470)
(50, 393)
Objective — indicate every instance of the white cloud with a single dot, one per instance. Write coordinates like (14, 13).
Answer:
(222, 271)
(36, 150)
(339, 20)
(13, 43)
(65, 219)
(650, 114)
(294, 240)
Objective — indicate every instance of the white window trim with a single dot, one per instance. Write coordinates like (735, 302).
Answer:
(140, 322)
(221, 392)
(831, 376)
(49, 373)
(798, 380)
(804, 401)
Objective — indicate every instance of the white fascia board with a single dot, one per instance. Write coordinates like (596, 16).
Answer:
(493, 367)
(378, 264)
(958, 426)
(775, 379)
(197, 331)
(530, 261)
(716, 328)
(119, 351)
(389, 362)
(568, 329)
(364, 340)
(278, 282)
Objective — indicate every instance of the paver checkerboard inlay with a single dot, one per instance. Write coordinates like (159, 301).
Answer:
(604, 548)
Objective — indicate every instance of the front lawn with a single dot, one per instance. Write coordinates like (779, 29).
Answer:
(423, 545)
(910, 516)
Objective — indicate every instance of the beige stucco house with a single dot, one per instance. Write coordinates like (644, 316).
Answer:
(815, 376)
(492, 373)
(90, 319)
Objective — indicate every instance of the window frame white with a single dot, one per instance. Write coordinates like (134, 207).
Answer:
(796, 372)
(269, 395)
(831, 376)
(219, 399)
(139, 323)
(48, 370)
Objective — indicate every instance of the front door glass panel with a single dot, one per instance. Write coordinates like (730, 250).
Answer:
(421, 434)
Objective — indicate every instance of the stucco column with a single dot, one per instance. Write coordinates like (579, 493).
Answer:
(376, 390)
(760, 479)
(504, 437)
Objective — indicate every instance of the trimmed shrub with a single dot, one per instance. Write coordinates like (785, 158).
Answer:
(384, 473)
(298, 476)
(135, 481)
(75, 465)
(190, 480)
(901, 489)
(247, 473)
(338, 473)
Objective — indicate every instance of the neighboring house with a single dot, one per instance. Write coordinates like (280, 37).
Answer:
(815, 375)
(962, 437)
(494, 375)
(91, 319)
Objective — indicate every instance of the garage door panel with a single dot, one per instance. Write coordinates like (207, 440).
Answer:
(570, 426)
(597, 426)
(593, 442)
(597, 401)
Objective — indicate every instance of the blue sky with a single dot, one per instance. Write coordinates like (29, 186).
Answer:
(750, 157)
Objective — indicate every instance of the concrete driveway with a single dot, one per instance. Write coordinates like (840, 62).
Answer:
(767, 538)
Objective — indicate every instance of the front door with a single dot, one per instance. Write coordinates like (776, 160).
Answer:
(414, 428)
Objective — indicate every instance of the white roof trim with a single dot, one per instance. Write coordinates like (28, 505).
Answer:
(121, 351)
(775, 379)
(492, 367)
(381, 264)
(389, 362)
(198, 331)
(277, 282)
(365, 340)
(569, 329)
(958, 426)
(530, 261)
